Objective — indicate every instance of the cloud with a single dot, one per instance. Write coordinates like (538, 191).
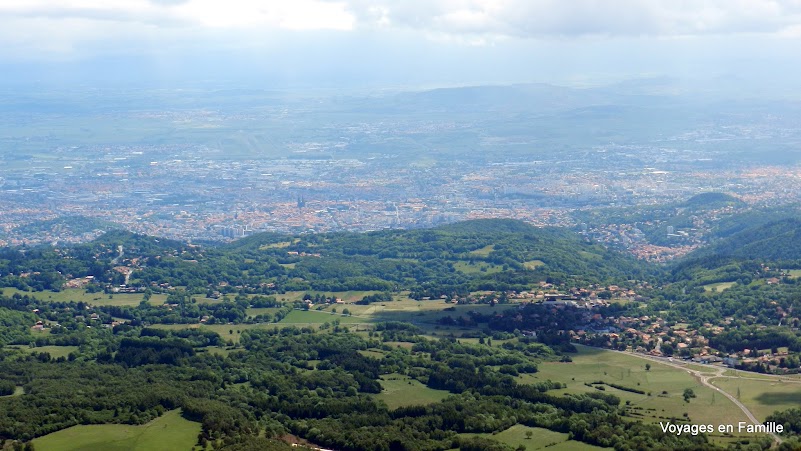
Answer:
(55, 29)
(559, 18)
(47, 30)
(235, 14)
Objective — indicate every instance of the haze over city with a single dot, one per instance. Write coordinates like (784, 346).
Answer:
(409, 44)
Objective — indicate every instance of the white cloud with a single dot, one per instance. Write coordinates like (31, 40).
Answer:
(47, 29)
(549, 18)
(293, 15)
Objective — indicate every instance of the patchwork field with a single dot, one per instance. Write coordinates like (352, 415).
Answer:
(170, 431)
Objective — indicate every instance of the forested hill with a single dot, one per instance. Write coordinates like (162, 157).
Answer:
(491, 254)
(779, 240)
(505, 249)
(711, 200)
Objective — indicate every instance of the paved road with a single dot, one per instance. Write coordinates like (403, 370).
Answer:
(704, 378)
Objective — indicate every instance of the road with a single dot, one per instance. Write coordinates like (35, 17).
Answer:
(704, 378)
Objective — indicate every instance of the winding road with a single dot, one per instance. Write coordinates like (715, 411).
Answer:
(704, 377)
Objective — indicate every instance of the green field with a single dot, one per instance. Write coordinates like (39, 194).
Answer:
(533, 264)
(261, 311)
(400, 390)
(484, 251)
(279, 245)
(421, 313)
(78, 295)
(592, 365)
(720, 286)
(318, 317)
(347, 296)
(226, 331)
(54, 351)
(18, 391)
(373, 354)
(540, 439)
(168, 432)
(762, 397)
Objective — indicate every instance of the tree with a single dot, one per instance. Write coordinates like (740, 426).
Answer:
(647, 367)
(688, 393)
(529, 434)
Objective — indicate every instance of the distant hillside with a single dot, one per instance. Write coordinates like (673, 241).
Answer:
(712, 200)
(780, 240)
(728, 226)
(776, 240)
(479, 253)
(68, 225)
(520, 97)
(487, 254)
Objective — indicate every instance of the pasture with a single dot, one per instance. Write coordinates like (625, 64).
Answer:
(399, 391)
(312, 317)
(484, 251)
(794, 273)
(718, 287)
(665, 384)
(762, 396)
(346, 296)
(98, 299)
(54, 351)
(226, 331)
(169, 431)
(540, 439)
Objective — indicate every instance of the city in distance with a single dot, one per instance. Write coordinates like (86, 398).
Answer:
(389, 226)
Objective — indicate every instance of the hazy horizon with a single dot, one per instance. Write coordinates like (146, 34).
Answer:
(409, 45)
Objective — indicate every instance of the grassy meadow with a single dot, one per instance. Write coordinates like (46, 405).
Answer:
(762, 397)
(79, 295)
(540, 439)
(718, 287)
(399, 391)
(168, 432)
(666, 385)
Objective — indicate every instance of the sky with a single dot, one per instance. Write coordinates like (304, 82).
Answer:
(397, 43)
